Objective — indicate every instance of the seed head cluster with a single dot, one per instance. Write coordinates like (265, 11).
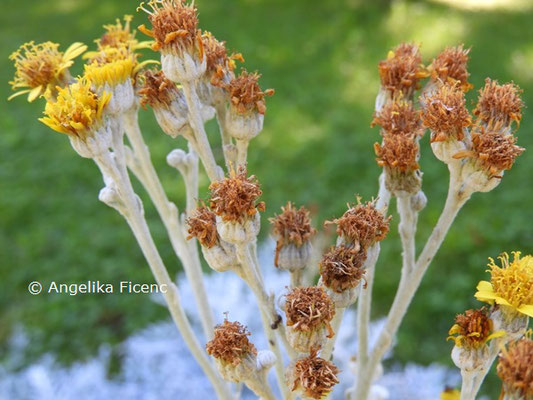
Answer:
(230, 343)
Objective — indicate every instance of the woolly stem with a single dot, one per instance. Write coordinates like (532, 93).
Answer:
(187, 253)
(195, 119)
(131, 208)
(327, 352)
(471, 389)
(242, 151)
(409, 283)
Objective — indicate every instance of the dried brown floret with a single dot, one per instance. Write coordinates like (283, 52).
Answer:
(499, 105)
(450, 67)
(515, 369)
(402, 69)
(398, 152)
(234, 198)
(156, 89)
(473, 328)
(314, 376)
(495, 151)
(215, 53)
(230, 343)
(363, 224)
(203, 226)
(174, 25)
(292, 226)
(309, 308)
(341, 268)
(245, 93)
(445, 113)
(399, 117)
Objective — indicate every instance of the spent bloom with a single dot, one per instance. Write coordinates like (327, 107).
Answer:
(401, 71)
(499, 105)
(515, 369)
(41, 67)
(293, 231)
(313, 377)
(450, 66)
(202, 225)
(230, 343)
(341, 268)
(511, 285)
(363, 224)
(78, 110)
(473, 329)
(398, 118)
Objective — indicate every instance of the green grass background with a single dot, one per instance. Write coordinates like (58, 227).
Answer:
(316, 149)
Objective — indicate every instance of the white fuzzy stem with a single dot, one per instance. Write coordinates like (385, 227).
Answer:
(470, 390)
(186, 252)
(409, 284)
(224, 135)
(365, 298)
(468, 378)
(132, 211)
(407, 229)
(327, 352)
(245, 256)
(296, 278)
(202, 143)
(242, 151)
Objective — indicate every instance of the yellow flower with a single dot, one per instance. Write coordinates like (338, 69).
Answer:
(77, 110)
(111, 65)
(473, 329)
(40, 67)
(510, 285)
(450, 394)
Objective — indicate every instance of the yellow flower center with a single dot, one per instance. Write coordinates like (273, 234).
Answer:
(513, 281)
(77, 111)
(110, 65)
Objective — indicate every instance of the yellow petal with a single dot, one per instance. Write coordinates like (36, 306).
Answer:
(34, 93)
(18, 94)
(484, 286)
(74, 50)
(454, 329)
(495, 335)
(141, 65)
(502, 301)
(528, 310)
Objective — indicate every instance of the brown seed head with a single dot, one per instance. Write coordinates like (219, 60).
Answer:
(399, 117)
(230, 343)
(315, 376)
(472, 328)
(450, 67)
(308, 308)
(515, 368)
(495, 152)
(398, 152)
(363, 224)
(235, 198)
(499, 105)
(174, 26)
(402, 69)
(215, 53)
(203, 226)
(445, 113)
(245, 94)
(292, 226)
(156, 89)
(341, 268)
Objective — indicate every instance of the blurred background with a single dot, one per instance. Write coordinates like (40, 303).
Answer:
(316, 149)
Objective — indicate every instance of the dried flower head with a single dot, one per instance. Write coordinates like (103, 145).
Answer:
(215, 53)
(402, 69)
(292, 226)
(363, 224)
(78, 111)
(494, 151)
(450, 67)
(398, 152)
(230, 343)
(245, 94)
(399, 117)
(314, 376)
(341, 268)
(203, 226)
(510, 285)
(235, 198)
(309, 308)
(41, 67)
(445, 113)
(156, 89)
(515, 369)
(174, 26)
(473, 329)
(499, 105)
